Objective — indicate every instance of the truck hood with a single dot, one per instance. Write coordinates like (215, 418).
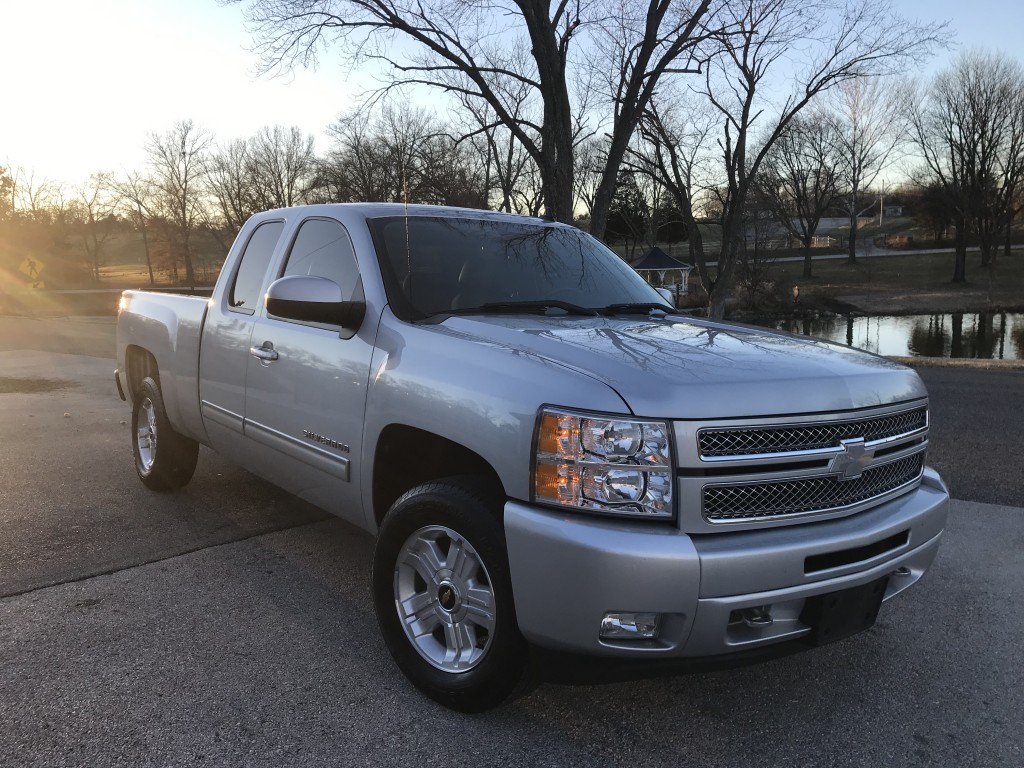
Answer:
(686, 368)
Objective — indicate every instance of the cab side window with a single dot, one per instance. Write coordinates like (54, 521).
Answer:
(245, 291)
(322, 248)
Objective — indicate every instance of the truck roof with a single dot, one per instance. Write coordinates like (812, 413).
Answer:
(380, 210)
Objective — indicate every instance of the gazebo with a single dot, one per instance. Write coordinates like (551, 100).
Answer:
(656, 260)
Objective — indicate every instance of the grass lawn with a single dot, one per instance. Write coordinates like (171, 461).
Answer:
(915, 282)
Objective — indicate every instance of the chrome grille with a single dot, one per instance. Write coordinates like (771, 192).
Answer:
(760, 501)
(754, 441)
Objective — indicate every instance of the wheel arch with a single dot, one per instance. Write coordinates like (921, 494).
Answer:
(407, 456)
(139, 363)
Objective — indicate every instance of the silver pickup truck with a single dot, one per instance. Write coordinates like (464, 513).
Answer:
(549, 455)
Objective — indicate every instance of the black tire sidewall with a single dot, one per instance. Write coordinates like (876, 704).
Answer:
(174, 459)
(471, 514)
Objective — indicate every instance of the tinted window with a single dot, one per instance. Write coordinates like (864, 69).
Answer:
(434, 265)
(245, 293)
(322, 248)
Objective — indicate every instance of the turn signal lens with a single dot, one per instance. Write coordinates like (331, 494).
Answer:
(557, 484)
(556, 433)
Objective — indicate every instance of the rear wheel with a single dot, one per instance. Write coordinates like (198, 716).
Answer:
(444, 597)
(164, 459)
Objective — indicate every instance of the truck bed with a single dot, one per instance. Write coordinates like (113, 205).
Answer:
(170, 328)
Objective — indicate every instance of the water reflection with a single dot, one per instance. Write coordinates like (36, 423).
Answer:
(987, 335)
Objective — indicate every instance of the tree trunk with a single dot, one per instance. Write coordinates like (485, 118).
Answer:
(555, 156)
(956, 347)
(851, 243)
(721, 288)
(190, 273)
(807, 259)
(960, 264)
(599, 210)
(145, 245)
(985, 241)
(609, 179)
(695, 246)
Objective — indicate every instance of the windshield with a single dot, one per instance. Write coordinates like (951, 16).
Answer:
(435, 265)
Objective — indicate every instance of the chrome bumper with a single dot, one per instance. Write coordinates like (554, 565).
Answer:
(569, 570)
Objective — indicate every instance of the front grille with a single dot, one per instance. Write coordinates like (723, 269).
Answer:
(755, 441)
(760, 501)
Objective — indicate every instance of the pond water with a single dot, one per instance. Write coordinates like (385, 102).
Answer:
(985, 335)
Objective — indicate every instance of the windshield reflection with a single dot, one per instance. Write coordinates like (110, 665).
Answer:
(437, 265)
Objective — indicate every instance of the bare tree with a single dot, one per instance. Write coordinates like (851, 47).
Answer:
(968, 126)
(864, 37)
(590, 163)
(6, 194)
(631, 218)
(97, 205)
(471, 49)
(32, 195)
(643, 43)
(231, 184)
(672, 147)
(869, 119)
(367, 162)
(505, 159)
(275, 168)
(281, 166)
(451, 173)
(1015, 208)
(178, 162)
(136, 194)
(798, 178)
(357, 167)
(401, 154)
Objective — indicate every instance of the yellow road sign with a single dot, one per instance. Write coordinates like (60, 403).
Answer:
(38, 285)
(31, 267)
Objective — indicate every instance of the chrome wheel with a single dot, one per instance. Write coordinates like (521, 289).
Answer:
(445, 599)
(145, 434)
(164, 459)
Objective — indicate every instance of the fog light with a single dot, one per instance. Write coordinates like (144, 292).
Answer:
(757, 617)
(629, 626)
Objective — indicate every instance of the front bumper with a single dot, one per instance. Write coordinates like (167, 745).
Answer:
(569, 570)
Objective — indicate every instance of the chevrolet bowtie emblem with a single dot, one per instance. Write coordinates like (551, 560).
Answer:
(854, 459)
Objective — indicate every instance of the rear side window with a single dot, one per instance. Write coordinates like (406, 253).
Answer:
(322, 248)
(245, 291)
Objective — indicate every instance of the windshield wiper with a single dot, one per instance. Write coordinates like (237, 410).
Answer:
(633, 309)
(498, 307)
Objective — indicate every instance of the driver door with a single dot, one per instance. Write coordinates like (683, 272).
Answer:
(306, 383)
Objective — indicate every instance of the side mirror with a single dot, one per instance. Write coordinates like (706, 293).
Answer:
(309, 299)
(666, 294)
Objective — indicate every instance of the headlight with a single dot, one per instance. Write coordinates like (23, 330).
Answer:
(604, 464)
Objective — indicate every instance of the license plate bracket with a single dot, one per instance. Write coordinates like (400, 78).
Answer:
(838, 615)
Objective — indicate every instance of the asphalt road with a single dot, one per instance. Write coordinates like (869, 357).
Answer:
(977, 431)
(229, 624)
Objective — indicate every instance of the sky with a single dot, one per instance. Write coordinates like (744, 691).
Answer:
(85, 83)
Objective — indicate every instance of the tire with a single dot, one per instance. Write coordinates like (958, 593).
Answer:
(164, 459)
(443, 595)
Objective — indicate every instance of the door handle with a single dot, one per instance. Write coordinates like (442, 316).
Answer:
(266, 353)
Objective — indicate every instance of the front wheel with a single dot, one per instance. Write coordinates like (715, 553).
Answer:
(164, 459)
(443, 595)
